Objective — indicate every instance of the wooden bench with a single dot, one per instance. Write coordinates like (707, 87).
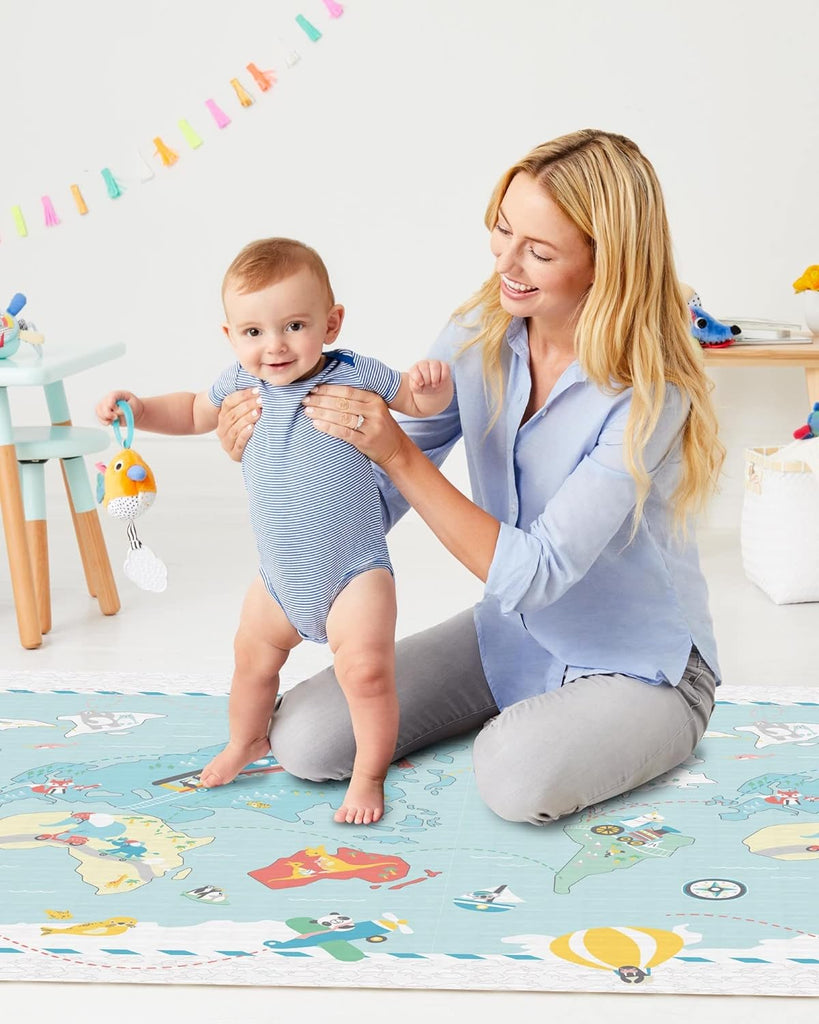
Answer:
(805, 355)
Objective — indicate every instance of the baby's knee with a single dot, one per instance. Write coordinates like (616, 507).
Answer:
(309, 748)
(365, 673)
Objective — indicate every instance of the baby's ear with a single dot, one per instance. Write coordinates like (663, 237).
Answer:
(335, 318)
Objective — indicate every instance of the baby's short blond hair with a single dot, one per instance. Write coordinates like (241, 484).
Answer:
(268, 260)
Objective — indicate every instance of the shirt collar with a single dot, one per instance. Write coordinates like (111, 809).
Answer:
(517, 338)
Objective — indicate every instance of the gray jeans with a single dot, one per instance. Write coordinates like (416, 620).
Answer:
(535, 761)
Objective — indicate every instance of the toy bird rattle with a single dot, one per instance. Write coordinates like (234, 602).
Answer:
(127, 488)
(13, 330)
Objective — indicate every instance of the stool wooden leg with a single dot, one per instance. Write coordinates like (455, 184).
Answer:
(89, 536)
(87, 567)
(32, 476)
(37, 534)
(60, 417)
(92, 547)
(14, 525)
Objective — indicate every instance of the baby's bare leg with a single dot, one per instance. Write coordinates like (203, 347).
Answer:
(263, 641)
(361, 631)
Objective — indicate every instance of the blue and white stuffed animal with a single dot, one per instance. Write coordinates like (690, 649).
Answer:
(710, 332)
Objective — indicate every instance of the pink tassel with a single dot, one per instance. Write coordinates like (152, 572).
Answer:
(336, 10)
(219, 116)
(51, 217)
(264, 79)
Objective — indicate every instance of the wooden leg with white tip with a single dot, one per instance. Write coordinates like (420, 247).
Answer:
(32, 476)
(14, 526)
(90, 540)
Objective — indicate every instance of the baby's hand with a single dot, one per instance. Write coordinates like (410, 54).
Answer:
(429, 377)
(107, 410)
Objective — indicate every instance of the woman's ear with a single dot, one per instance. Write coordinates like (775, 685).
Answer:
(335, 319)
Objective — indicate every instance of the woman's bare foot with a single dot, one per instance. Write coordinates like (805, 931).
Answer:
(226, 766)
(363, 802)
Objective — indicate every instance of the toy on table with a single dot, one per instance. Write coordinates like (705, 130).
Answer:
(811, 428)
(14, 330)
(710, 332)
(127, 488)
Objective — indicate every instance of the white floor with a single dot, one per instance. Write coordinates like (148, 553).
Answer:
(198, 527)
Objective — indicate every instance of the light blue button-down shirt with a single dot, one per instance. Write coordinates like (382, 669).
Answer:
(567, 594)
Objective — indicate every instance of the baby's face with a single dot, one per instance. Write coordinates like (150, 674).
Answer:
(278, 333)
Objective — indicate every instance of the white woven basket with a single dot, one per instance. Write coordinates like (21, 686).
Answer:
(780, 525)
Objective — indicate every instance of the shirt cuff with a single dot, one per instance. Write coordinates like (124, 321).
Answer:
(514, 564)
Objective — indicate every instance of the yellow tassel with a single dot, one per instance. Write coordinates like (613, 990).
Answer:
(19, 221)
(78, 199)
(193, 139)
(166, 155)
(244, 97)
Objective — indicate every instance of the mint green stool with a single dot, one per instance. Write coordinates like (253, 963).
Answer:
(34, 446)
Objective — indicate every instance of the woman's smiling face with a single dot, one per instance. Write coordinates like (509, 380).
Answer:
(545, 262)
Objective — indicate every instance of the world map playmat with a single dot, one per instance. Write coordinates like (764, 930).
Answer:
(117, 866)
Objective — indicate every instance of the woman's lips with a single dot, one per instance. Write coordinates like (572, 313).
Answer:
(515, 289)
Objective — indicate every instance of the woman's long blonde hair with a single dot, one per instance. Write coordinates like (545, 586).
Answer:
(633, 330)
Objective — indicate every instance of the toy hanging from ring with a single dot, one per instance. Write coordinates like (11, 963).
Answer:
(127, 488)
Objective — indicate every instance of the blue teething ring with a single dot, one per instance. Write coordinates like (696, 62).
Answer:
(129, 424)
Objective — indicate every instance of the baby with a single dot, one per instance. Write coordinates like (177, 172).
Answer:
(324, 570)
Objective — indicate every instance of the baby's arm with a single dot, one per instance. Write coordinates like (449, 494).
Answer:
(426, 389)
(180, 413)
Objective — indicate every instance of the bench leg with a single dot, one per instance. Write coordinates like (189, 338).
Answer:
(89, 536)
(32, 476)
(813, 385)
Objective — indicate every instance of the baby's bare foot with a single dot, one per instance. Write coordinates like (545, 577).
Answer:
(363, 802)
(226, 766)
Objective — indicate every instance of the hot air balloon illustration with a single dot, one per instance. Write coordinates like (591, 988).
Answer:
(629, 952)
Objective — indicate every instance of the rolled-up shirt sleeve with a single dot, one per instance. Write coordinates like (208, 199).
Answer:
(535, 565)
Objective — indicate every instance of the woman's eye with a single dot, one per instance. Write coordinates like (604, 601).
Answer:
(541, 259)
(503, 230)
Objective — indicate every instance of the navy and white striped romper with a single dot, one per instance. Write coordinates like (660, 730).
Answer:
(314, 504)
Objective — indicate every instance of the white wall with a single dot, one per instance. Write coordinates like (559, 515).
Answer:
(381, 148)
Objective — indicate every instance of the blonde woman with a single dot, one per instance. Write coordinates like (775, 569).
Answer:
(590, 664)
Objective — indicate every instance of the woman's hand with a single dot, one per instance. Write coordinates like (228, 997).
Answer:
(360, 417)
(237, 416)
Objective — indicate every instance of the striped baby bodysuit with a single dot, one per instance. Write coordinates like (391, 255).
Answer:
(314, 504)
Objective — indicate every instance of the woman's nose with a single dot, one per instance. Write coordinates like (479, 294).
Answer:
(505, 258)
